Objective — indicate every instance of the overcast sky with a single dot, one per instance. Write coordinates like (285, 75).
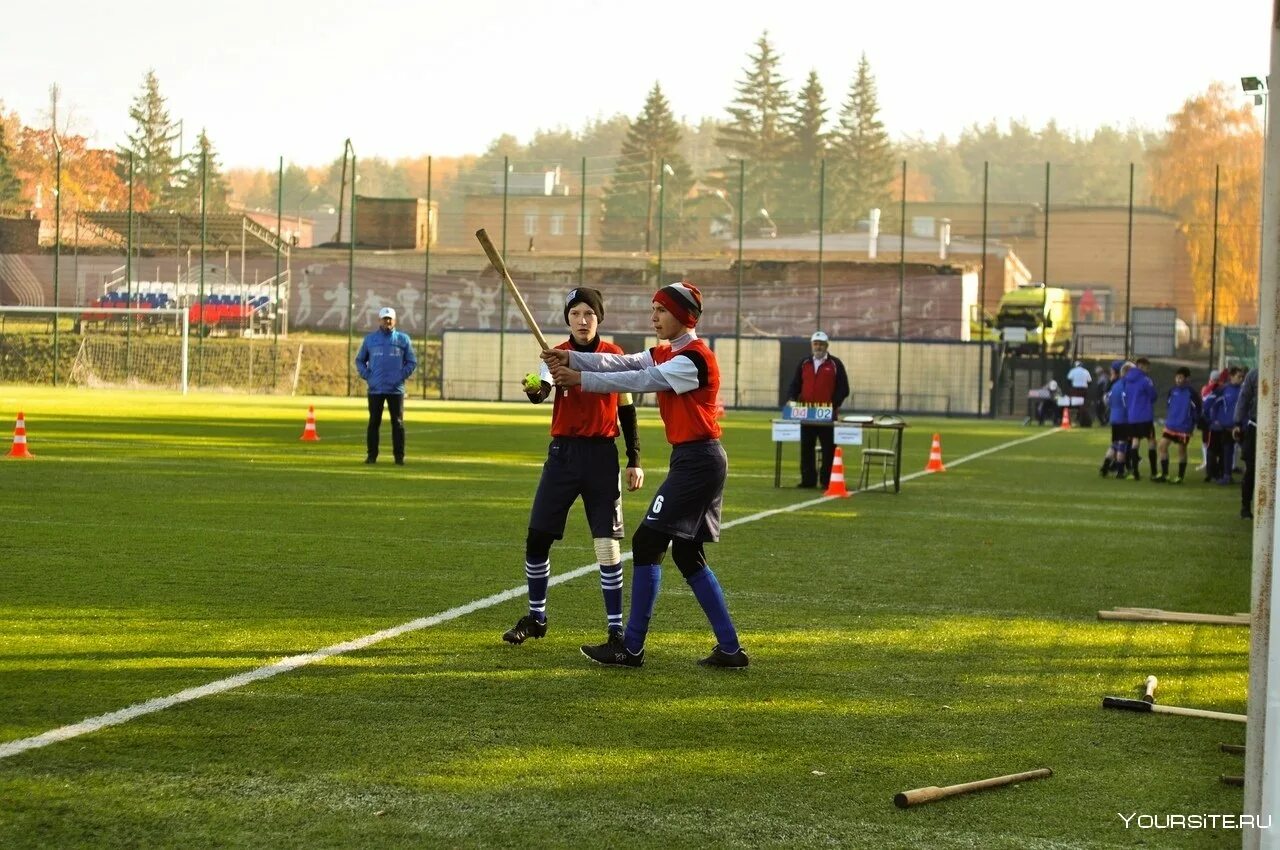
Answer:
(283, 77)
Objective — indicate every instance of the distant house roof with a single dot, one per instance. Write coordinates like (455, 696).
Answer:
(860, 243)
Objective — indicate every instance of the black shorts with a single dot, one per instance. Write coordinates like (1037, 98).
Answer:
(1176, 437)
(1119, 432)
(1142, 430)
(687, 505)
(579, 466)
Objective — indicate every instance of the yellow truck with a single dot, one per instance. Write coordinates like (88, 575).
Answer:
(1028, 317)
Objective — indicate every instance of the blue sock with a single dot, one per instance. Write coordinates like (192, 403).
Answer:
(611, 587)
(645, 579)
(537, 575)
(707, 591)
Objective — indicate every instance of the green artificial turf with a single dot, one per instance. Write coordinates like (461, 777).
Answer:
(941, 635)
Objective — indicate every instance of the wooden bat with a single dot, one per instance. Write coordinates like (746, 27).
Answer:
(1174, 617)
(1232, 748)
(1149, 689)
(916, 796)
(1227, 779)
(1139, 705)
(496, 259)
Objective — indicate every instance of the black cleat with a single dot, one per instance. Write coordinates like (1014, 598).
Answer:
(527, 627)
(371, 459)
(399, 461)
(725, 660)
(613, 654)
(1246, 513)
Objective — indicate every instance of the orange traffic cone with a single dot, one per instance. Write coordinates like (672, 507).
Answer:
(836, 486)
(19, 448)
(935, 456)
(309, 433)
(1066, 419)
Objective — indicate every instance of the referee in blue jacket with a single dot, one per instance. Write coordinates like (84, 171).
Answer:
(385, 361)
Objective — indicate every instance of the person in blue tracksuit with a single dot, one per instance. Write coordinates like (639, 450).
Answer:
(1246, 434)
(1118, 416)
(1221, 410)
(1181, 414)
(385, 361)
(1140, 399)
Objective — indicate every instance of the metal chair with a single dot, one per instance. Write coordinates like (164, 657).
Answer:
(887, 461)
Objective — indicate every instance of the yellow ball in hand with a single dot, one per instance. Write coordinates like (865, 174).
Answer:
(532, 383)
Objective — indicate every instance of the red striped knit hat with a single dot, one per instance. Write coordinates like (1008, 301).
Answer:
(682, 300)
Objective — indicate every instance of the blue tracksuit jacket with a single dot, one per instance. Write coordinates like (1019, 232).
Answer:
(1116, 404)
(1140, 396)
(1183, 409)
(385, 360)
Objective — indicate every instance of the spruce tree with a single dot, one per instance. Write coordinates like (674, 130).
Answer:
(155, 166)
(10, 186)
(631, 198)
(861, 169)
(756, 132)
(186, 193)
(802, 170)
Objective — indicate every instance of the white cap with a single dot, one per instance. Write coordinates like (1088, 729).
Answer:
(819, 336)
(387, 313)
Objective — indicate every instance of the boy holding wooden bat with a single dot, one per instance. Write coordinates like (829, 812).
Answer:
(685, 512)
(582, 461)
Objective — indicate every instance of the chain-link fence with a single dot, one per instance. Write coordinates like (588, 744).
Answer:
(890, 268)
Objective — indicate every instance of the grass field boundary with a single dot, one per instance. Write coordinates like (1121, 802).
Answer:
(293, 662)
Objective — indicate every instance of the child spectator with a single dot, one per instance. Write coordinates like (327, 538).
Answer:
(1140, 397)
(1181, 414)
(1204, 430)
(1225, 419)
(1119, 418)
(1218, 420)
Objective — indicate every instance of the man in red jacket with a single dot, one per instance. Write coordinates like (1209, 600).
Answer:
(819, 379)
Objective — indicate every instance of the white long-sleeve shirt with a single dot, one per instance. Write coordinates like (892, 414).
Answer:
(637, 373)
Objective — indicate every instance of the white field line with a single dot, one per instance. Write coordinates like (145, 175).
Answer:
(293, 662)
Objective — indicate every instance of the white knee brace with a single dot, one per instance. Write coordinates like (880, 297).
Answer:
(607, 550)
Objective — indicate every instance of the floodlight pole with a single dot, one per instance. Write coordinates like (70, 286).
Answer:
(57, 243)
(662, 205)
(128, 279)
(582, 225)
(982, 293)
(1128, 276)
(279, 230)
(502, 290)
(822, 212)
(902, 284)
(1213, 271)
(204, 238)
(737, 322)
(426, 284)
(351, 265)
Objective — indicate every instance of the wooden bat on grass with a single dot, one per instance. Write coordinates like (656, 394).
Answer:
(1140, 705)
(916, 796)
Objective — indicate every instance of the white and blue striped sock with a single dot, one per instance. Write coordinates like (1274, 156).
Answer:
(537, 576)
(611, 587)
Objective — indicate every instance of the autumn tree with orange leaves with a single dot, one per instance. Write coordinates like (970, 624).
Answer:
(1215, 130)
(89, 179)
